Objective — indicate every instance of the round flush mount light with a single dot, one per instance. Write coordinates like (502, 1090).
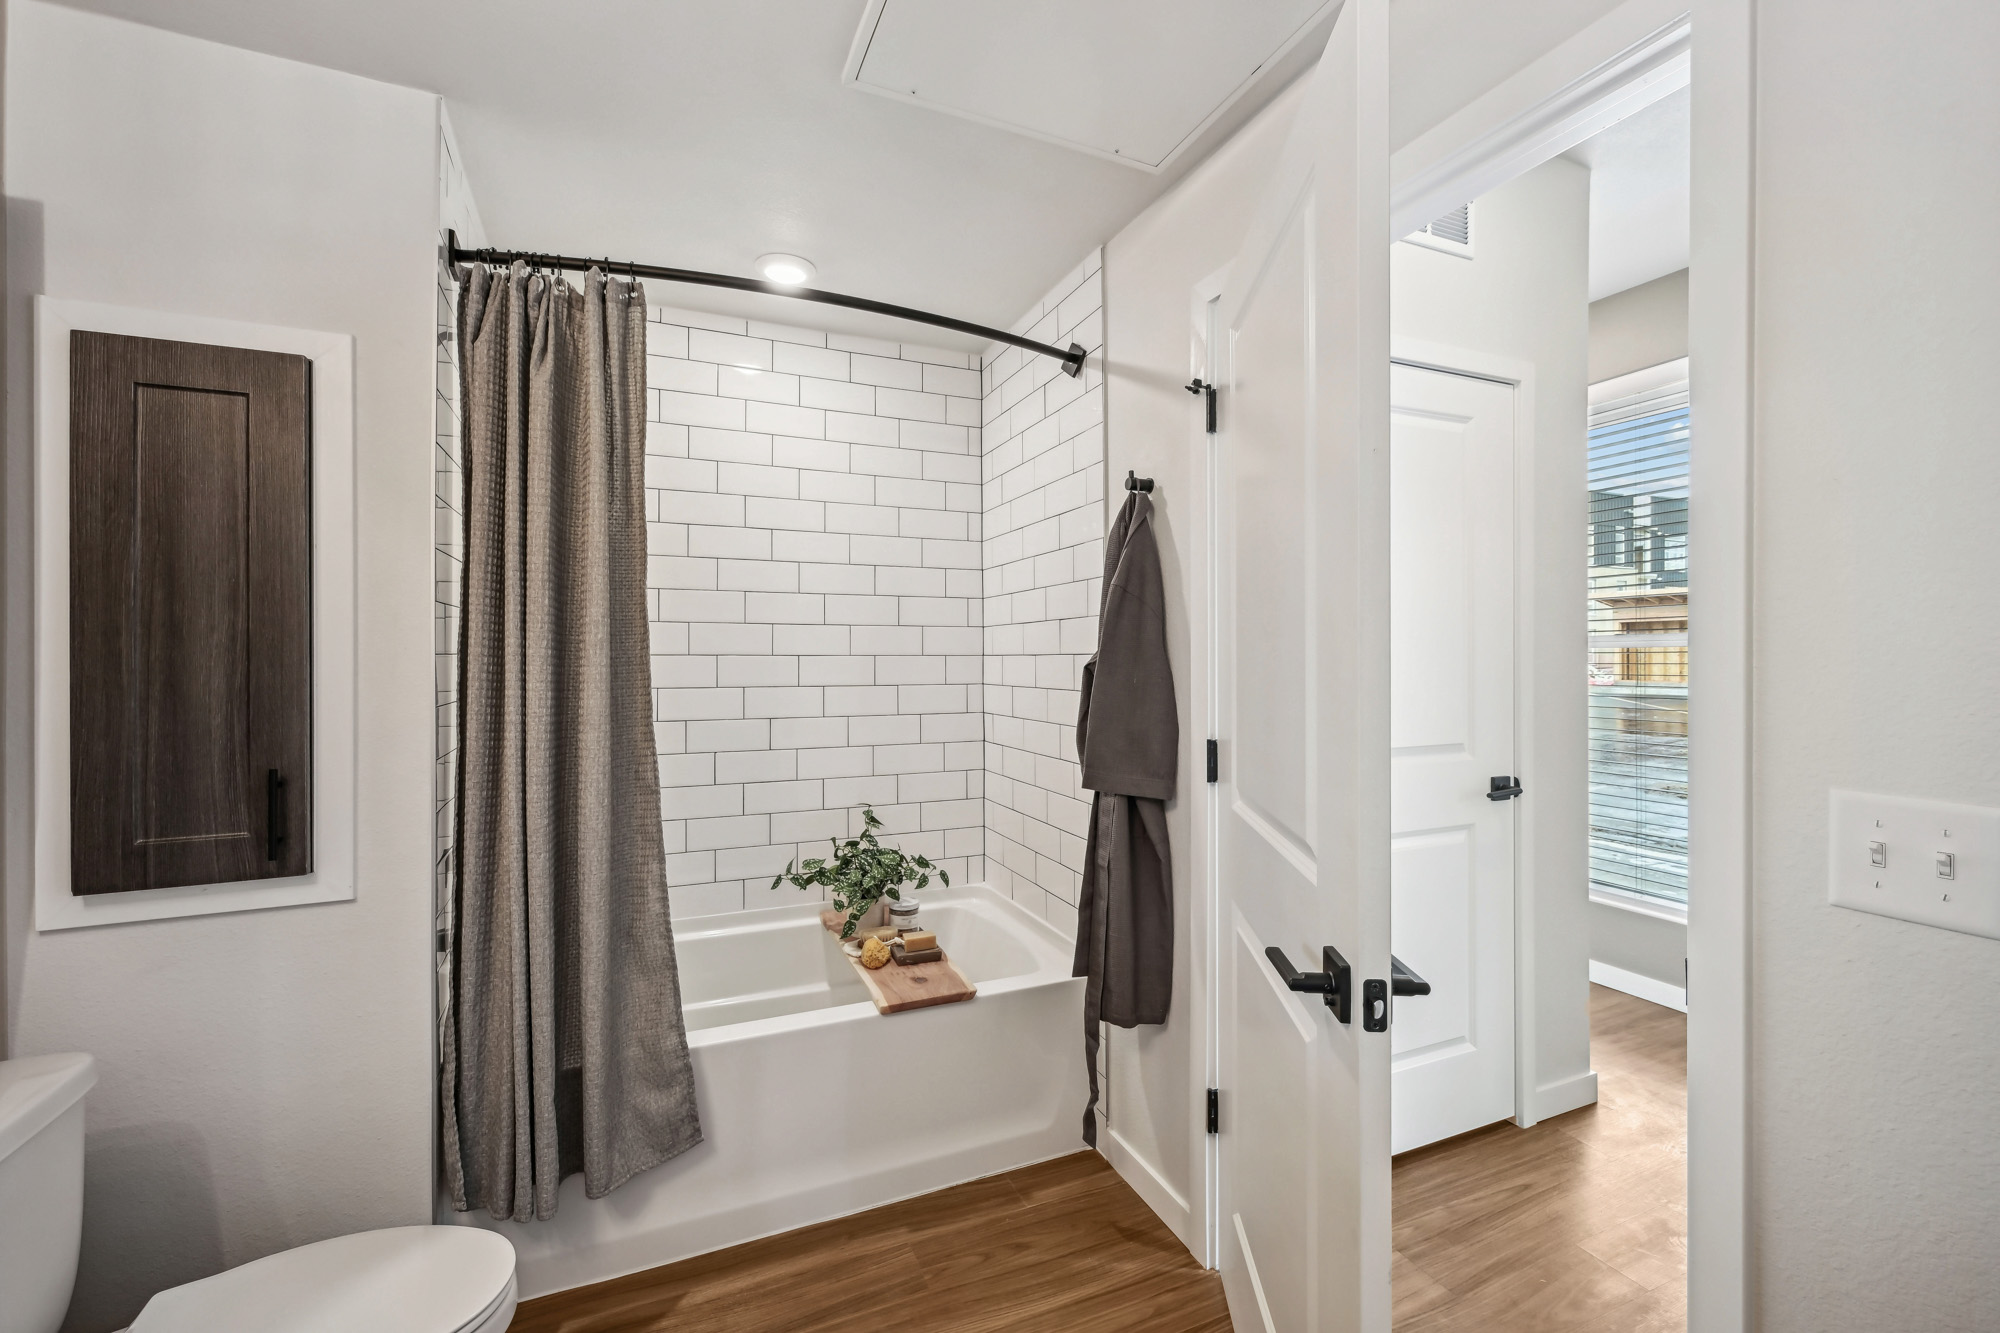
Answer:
(789, 270)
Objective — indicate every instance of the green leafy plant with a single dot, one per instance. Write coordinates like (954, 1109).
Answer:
(861, 872)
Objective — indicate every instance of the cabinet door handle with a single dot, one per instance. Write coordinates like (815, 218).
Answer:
(274, 814)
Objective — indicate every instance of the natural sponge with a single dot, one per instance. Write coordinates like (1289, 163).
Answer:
(874, 953)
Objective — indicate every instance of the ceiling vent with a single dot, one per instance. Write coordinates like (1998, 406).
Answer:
(1451, 233)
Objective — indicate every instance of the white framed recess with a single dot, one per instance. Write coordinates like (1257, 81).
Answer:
(333, 661)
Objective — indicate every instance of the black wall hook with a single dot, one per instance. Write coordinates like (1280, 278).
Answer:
(1138, 483)
(1207, 393)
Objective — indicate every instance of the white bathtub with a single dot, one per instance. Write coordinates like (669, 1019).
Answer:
(814, 1106)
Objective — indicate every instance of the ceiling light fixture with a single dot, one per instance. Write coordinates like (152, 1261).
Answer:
(787, 270)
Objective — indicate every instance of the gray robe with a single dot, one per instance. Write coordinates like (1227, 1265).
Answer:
(1128, 737)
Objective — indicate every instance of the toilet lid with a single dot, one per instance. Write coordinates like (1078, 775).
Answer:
(410, 1279)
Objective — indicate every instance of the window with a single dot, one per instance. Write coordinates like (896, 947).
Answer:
(1638, 610)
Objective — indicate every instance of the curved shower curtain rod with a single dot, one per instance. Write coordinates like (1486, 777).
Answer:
(1071, 356)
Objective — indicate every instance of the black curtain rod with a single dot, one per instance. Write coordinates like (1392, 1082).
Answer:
(1071, 357)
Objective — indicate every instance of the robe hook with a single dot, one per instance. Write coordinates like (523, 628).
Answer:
(1134, 482)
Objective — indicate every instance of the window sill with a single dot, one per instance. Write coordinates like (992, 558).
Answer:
(1641, 906)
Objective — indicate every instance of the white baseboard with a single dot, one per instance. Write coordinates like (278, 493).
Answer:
(1646, 988)
(1147, 1182)
(1564, 1095)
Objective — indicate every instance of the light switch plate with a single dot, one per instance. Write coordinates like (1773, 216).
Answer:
(1918, 835)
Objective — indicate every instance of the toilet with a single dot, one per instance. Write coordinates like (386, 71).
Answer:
(416, 1279)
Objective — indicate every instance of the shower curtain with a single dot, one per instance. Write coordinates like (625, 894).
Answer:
(564, 1048)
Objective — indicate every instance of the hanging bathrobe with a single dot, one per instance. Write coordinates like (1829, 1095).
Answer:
(1128, 737)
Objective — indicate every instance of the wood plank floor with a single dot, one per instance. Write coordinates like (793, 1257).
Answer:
(1579, 1223)
(1065, 1247)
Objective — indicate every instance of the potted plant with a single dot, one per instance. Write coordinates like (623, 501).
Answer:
(861, 873)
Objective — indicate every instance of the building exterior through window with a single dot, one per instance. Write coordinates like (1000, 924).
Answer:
(1638, 609)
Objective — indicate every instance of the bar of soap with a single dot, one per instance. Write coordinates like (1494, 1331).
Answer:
(917, 940)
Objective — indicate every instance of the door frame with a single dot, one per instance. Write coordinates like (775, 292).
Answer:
(1637, 53)
(1533, 754)
(1633, 55)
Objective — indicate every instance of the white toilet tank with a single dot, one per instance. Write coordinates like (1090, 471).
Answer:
(41, 1187)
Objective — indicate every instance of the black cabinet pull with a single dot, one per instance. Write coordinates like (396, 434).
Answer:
(274, 814)
(1335, 984)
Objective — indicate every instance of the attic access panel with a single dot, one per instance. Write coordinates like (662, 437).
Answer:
(1135, 81)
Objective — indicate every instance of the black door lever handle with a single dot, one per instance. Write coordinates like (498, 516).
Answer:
(1402, 981)
(1502, 788)
(1335, 984)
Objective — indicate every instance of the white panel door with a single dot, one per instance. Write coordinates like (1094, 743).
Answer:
(1299, 517)
(1451, 729)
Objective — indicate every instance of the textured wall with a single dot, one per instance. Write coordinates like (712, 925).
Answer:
(1875, 1066)
(265, 1076)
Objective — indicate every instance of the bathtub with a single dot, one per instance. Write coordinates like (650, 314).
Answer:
(814, 1106)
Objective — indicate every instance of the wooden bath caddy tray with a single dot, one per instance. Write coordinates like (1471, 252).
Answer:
(897, 986)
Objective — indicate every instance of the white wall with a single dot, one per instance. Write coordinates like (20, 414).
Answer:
(1043, 473)
(266, 1076)
(1525, 297)
(1875, 1064)
(1443, 54)
(1639, 327)
(814, 580)
(1150, 272)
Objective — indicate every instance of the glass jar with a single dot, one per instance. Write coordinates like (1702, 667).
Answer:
(903, 913)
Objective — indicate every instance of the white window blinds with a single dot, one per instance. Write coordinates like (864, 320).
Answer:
(1638, 615)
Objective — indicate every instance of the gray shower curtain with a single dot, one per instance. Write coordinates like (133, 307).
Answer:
(564, 1048)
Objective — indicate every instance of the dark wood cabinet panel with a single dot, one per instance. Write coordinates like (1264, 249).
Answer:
(190, 614)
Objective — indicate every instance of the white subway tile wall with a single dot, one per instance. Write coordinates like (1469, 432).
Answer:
(873, 579)
(1044, 504)
(815, 525)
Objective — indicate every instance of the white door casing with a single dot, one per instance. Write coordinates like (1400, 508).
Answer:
(1299, 517)
(1451, 726)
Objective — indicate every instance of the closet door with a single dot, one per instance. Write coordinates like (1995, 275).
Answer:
(190, 614)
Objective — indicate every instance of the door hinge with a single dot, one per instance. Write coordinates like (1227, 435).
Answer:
(1207, 394)
(1215, 1110)
(1214, 762)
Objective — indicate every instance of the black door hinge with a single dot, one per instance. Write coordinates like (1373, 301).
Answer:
(1207, 394)
(1214, 762)
(1215, 1110)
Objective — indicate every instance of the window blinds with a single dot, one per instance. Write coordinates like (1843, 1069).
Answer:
(1638, 617)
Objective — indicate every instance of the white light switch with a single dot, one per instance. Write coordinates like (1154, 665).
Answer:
(1922, 861)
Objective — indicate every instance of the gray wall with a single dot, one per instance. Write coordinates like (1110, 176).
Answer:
(1639, 327)
(1649, 945)
(264, 1077)
(1875, 1044)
